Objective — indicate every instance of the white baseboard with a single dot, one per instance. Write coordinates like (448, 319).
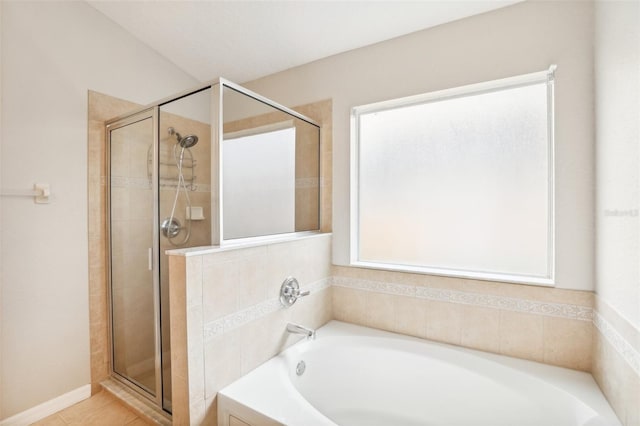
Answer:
(47, 408)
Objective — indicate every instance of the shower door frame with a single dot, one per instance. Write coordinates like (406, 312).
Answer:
(117, 123)
(152, 110)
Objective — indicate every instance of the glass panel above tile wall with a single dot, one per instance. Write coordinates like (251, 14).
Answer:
(270, 169)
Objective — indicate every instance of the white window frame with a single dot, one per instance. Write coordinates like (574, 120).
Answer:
(548, 77)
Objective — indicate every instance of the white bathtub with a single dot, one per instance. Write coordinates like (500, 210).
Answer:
(357, 376)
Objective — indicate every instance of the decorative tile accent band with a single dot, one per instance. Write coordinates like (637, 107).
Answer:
(145, 183)
(619, 343)
(252, 313)
(563, 310)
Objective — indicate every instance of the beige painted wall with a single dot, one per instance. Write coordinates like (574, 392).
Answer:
(616, 356)
(617, 78)
(518, 39)
(52, 53)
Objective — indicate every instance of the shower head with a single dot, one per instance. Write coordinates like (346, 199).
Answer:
(188, 141)
(185, 142)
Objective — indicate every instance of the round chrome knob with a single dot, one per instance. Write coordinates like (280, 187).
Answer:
(170, 227)
(290, 292)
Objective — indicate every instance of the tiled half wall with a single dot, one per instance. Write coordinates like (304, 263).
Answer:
(540, 324)
(226, 318)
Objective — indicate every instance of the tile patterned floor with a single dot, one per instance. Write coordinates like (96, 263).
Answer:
(102, 409)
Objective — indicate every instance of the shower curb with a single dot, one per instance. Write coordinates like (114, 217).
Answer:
(137, 403)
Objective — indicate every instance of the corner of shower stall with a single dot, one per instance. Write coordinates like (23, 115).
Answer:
(158, 198)
(156, 184)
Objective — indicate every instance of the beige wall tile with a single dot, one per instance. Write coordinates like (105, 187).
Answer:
(568, 343)
(422, 280)
(633, 403)
(349, 305)
(630, 333)
(254, 342)
(481, 328)
(264, 338)
(252, 288)
(195, 352)
(522, 335)
(179, 341)
(219, 294)
(411, 316)
(530, 292)
(617, 380)
(381, 311)
(444, 322)
(307, 260)
(193, 269)
(222, 362)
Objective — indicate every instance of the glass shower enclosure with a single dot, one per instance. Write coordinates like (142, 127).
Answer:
(205, 167)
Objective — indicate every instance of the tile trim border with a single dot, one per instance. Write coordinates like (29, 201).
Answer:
(561, 310)
(237, 319)
(619, 343)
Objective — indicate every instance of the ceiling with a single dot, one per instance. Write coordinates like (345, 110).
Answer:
(245, 40)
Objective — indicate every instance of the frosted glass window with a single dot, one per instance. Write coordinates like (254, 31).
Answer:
(459, 185)
(259, 184)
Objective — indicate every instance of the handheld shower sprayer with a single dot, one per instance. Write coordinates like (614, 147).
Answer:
(171, 227)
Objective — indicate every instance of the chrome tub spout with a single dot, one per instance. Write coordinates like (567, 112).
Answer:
(298, 329)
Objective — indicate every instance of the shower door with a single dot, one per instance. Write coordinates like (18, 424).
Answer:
(134, 288)
(159, 168)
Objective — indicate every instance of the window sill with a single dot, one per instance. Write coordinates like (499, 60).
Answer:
(442, 272)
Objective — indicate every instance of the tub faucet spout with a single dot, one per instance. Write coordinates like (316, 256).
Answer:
(298, 329)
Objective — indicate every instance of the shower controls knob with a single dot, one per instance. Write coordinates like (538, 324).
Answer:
(290, 292)
(170, 227)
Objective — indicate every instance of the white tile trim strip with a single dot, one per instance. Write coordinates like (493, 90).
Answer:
(252, 313)
(619, 343)
(47, 408)
(562, 310)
